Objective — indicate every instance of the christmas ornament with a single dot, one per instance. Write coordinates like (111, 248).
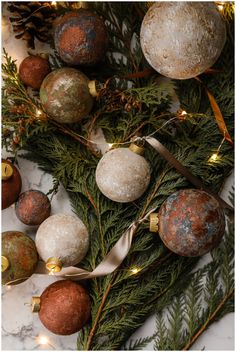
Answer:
(64, 307)
(11, 183)
(190, 222)
(66, 95)
(32, 20)
(182, 39)
(81, 38)
(19, 257)
(33, 69)
(33, 207)
(122, 174)
(62, 240)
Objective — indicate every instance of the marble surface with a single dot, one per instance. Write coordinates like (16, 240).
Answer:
(21, 329)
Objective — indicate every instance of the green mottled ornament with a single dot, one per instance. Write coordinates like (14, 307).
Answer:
(67, 94)
(19, 257)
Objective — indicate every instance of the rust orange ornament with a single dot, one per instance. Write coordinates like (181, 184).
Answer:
(11, 183)
(64, 307)
(33, 69)
(81, 38)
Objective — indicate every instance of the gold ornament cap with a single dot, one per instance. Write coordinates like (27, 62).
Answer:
(136, 149)
(35, 304)
(4, 263)
(44, 56)
(92, 88)
(154, 220)
(7, 171)
(54, 265)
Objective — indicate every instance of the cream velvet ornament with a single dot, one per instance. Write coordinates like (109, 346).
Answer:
(62, 240)
(123, 175)
(182, 39)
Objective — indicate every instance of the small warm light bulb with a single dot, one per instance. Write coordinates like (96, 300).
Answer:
(213, 158)
(54, 3)
(38, 112)
(135, 270)
(42, 340)
(220, 7)
(110, 145)
(183, 113)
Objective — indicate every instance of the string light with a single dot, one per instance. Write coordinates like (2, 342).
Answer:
(42, 340)
(135, 270)
(183, 113)
(215, 156)
(220, 5)
(38, 112)
(54, 3)
(110, 145)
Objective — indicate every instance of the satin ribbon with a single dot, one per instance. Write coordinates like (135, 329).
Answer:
(164, 152)
(111, 261)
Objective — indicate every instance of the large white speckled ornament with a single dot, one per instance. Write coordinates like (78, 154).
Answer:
(122, 175)
(64, 237)
(182, 39)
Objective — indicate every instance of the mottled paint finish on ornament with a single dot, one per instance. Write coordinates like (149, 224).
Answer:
(11, 188)
(122, 175)
(65, 96)
(33, 207)
(22, 255)
(64, 237)
(182, 39)
(191, 222)
(64, 307)
(81, 38)
(33, 69)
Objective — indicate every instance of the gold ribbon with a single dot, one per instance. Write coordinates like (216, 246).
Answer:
(109, 264)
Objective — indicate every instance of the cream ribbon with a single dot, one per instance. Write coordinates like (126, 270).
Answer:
(111, 261)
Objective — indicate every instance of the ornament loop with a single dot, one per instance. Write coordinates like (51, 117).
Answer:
(7, 171)
(92, 88)
(54, 265)
(35, 304)
(4, 263)
(136, 149)
(154, 220)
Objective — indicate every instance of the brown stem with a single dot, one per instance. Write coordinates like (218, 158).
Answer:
(92, 332)
(208, 321)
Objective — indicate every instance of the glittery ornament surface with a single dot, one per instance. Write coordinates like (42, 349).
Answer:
(182, 39)
(191, 222)
(22, 255)
(33, 69)
(65, 96)
(64, 237)
(64, 307)
(122, 175)
(11, 188)
(33, 207)
(81, 38)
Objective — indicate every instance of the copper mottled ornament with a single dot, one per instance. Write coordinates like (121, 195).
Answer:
(11, 184)
(33, 207)
(19, 257)
(33, 69)
(65, 95)
(123, 175)
(182, 39)
(81, 38)
(191, 222)
(62, 240)
(64, 307)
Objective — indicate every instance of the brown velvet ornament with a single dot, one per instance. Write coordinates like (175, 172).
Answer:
(33, 207)
(33, 69)
(64, 307)
(81, 38)
(11, 187)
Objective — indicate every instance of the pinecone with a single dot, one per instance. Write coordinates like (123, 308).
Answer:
(32, 20)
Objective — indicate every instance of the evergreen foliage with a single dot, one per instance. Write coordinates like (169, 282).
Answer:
(127, 107)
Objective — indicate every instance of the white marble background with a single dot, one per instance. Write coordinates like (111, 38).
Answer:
(21, 329)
